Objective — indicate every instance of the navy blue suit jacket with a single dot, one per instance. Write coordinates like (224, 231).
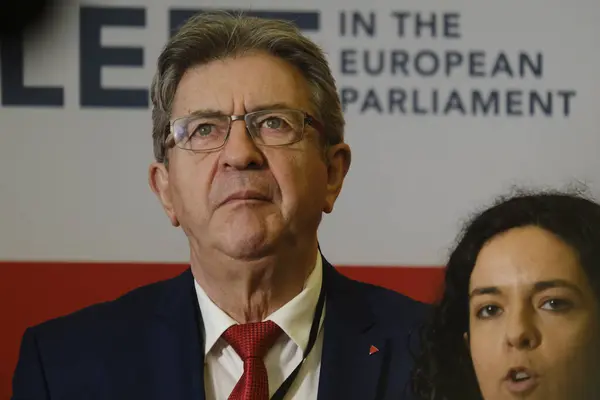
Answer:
(147, 345)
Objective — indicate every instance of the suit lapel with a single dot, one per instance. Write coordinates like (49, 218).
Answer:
(177, 343)
(350, 366)
(353, 352)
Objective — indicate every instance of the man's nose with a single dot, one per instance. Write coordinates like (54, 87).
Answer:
(240, 150)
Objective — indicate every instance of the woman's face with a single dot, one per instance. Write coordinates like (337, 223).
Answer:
(533, 317)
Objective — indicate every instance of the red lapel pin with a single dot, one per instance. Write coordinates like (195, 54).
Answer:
(373, 350)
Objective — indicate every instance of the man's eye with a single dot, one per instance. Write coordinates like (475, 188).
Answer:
(273, 123)
(203, 129)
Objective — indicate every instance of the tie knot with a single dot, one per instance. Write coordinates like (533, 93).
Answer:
(252, 340)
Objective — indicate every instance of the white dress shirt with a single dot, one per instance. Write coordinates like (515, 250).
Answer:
(223, 367)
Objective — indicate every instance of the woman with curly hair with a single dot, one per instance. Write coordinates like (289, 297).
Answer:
(519, 317)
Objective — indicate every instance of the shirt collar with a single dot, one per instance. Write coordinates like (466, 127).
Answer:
(216, 321)
(295, 317)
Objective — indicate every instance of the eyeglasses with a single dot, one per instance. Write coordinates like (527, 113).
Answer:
(205, 132)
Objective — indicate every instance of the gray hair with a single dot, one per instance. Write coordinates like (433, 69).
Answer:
(210, 36)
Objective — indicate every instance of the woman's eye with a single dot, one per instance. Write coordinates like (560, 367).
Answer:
(488, 311)
(557, 305)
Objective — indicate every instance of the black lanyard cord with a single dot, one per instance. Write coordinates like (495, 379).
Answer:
(312, 338)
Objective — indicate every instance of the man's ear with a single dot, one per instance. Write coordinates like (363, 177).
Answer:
(338, 158)
(158, 178)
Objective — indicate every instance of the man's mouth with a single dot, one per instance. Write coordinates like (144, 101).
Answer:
(245, 195)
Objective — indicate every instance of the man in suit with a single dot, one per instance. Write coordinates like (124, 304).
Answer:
(249, 148)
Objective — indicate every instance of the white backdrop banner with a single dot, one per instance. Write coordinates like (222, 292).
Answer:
(447, 106)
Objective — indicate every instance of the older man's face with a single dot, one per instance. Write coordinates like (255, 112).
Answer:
(244, 199)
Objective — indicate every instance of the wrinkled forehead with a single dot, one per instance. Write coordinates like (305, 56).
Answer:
(237, 85)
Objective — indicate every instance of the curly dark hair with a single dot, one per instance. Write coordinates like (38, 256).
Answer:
(443, 370)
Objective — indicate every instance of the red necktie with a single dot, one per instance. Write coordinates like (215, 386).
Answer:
(251, 342)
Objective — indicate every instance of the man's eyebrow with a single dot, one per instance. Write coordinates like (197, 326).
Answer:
(218, 113)
(272, 106)
(207, 112)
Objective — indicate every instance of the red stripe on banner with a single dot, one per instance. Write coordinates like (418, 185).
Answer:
(33, 292)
